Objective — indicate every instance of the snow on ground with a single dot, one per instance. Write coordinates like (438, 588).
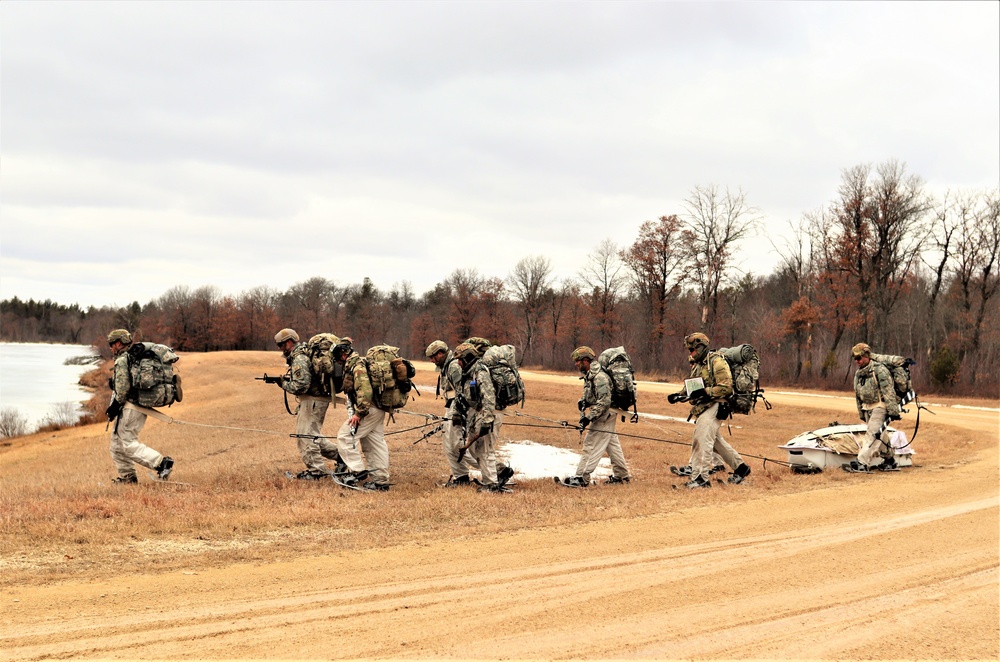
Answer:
(534, 461)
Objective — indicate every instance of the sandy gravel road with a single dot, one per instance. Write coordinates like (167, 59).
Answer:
(889, 566)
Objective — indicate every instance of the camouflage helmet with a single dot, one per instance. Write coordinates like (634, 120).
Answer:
(435, 347)
(120, 334)
(286, 334)
(861, 349)
(582, 352)
(695, 340)
(467, 353)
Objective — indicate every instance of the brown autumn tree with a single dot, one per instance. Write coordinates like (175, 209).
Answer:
(656, 261)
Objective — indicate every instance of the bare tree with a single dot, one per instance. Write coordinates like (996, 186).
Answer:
(714, 223)
(530, 284)
(975, 265)
(881, 230)
(465, 286)
(656, 260)
(602, 274)
(315, 298)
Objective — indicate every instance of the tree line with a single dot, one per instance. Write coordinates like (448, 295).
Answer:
(884, 262)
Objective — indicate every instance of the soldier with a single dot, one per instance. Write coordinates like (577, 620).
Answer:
(875, 396)
(308, 388)
(364, 429)
(126, 449)
(449, 374)
(709, 408)
(474, 413)
(601, 420)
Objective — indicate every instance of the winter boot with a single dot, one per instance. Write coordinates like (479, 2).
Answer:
(125, 480)
(503, 475)
(461, 481)
(682, 471)
(697, 482)
(164, 469)
(740, 474)
(376, 487)
(615, 480)
(573, 481)
(855, 467)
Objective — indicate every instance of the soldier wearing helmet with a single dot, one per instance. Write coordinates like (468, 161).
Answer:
(475, 416)
(875, 397)
(450, 374)
(599, 423)
(126, 449)
(708, 388)
(314, 402)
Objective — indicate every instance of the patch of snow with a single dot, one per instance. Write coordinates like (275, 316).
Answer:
(534, 461)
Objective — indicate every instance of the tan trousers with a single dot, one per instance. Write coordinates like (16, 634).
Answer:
(485, 457)
(370, 440)
(452, 441)
(314, 452)
(126, 449)
(601, 437)
(708, 440)
(871, 447)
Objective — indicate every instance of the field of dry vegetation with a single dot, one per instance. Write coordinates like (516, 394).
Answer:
(228, 501)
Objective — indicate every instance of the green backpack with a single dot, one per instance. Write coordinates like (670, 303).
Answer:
(319, 349)
(390, 376)
(154, 383)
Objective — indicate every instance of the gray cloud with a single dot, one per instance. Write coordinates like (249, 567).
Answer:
(289, 132)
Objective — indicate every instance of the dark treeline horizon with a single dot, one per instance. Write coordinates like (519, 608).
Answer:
(884, 263)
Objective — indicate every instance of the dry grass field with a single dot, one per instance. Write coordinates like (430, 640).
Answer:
(230, 559)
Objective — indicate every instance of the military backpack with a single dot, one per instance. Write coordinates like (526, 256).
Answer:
(151, 367)
(617, 364)
(501, 360)
(744, 363)
(319, 349)
(390, 376)
(899, 368)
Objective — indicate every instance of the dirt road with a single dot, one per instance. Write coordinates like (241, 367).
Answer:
(898, 565)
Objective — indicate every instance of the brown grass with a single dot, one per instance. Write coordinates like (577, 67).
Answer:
(60, 516)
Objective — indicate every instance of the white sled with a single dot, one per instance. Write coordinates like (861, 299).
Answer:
(831, 447)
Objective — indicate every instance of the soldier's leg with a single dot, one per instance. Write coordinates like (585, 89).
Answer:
(594, 444)
(619, 467)
(349, 446)
(126, 448)
(371, 432)
(725, 452)
(706, 428)
(483, 452)
(310, 419)
(871, 446)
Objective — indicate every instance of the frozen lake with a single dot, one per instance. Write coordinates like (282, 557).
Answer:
(35, 380)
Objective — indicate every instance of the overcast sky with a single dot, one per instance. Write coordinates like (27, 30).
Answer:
(152, 144)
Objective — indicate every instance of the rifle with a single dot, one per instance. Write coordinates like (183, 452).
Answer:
(268, 379)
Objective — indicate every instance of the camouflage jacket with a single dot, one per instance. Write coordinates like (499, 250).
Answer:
(299, 380)
(482, 411)
(361, 399)
(718, 379)
(121, 379)
(873, 384)
(449, 376)
(597, 391)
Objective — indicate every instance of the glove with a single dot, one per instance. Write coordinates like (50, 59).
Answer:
(908, 362)
(893, 417)
(584, 422)
(580, 404)
(674, 398)
(700, 396)
(113, 410)
(484, 430)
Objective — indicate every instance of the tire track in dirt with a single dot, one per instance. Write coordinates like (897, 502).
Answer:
(411, 617)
